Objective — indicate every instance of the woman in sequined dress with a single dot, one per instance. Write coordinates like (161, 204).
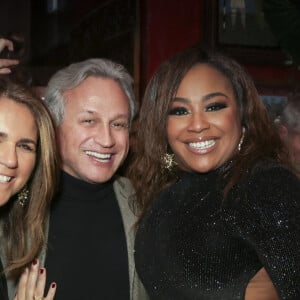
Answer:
(221, 207)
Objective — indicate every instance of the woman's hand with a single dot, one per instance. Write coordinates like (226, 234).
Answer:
(32, 284)
(6, 63)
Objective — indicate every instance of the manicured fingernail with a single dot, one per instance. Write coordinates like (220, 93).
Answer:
(53, 285)
(34, 262)
(42, 271)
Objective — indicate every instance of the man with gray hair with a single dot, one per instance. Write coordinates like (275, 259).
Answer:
(90, 240)
(289, 129)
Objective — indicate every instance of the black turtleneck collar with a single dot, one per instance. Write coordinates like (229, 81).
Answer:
(75, 188)
(210, 174)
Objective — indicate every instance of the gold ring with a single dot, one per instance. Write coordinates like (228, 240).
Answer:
(37, 298)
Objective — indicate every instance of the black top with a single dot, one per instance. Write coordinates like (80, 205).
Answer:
(193, 244)
(87, 253)
(3, 286)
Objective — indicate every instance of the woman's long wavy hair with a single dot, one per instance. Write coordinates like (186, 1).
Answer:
(261, 138)
(24, 226)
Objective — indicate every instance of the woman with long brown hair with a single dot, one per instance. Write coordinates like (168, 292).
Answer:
(220, 207)
(28, 178)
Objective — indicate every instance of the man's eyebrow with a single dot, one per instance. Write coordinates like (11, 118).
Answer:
(117, 116)
(120, 116)
(3, 134)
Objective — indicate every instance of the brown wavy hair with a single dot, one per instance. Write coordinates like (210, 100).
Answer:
(24, 226)
(261, 138)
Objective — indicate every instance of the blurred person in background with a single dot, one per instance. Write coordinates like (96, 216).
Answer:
(289, 129)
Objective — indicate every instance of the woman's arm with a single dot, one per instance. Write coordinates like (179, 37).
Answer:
(32, 284)
(269, 215)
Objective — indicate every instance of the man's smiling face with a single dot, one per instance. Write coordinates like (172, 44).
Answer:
(94, 135)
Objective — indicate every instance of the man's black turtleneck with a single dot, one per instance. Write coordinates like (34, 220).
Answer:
(87, 253)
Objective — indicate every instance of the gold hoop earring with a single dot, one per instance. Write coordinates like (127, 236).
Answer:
(23, 196)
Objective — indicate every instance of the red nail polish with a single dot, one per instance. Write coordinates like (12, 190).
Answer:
(34, 262)
(53, 285)
(42, 271)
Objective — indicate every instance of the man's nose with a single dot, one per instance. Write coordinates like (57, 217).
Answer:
(104, 136)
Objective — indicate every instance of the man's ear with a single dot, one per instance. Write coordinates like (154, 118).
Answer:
(283, 132)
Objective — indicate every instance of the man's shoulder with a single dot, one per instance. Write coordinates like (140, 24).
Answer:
(123, 185)
(125, 196)
(124, 192)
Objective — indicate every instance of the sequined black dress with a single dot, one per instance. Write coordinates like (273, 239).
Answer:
(194, 245)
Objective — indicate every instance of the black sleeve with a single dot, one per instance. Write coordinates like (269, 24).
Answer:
(269, 220)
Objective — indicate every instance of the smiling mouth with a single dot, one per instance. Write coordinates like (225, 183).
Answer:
(202, 145)
(4, 178)
(99, 156)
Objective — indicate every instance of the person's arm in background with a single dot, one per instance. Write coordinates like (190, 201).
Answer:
(6, 46)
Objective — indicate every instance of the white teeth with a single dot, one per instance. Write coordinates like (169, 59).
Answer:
(202, 145)
(4, 178)
(99, 155)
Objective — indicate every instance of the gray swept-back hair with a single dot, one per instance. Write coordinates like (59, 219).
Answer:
(74, 74)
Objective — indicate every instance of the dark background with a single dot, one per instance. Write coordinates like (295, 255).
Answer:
(141, 34)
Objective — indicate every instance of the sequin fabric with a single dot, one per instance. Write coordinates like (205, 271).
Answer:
(193, 244)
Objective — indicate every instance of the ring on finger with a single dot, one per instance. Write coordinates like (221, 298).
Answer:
(37, 298)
